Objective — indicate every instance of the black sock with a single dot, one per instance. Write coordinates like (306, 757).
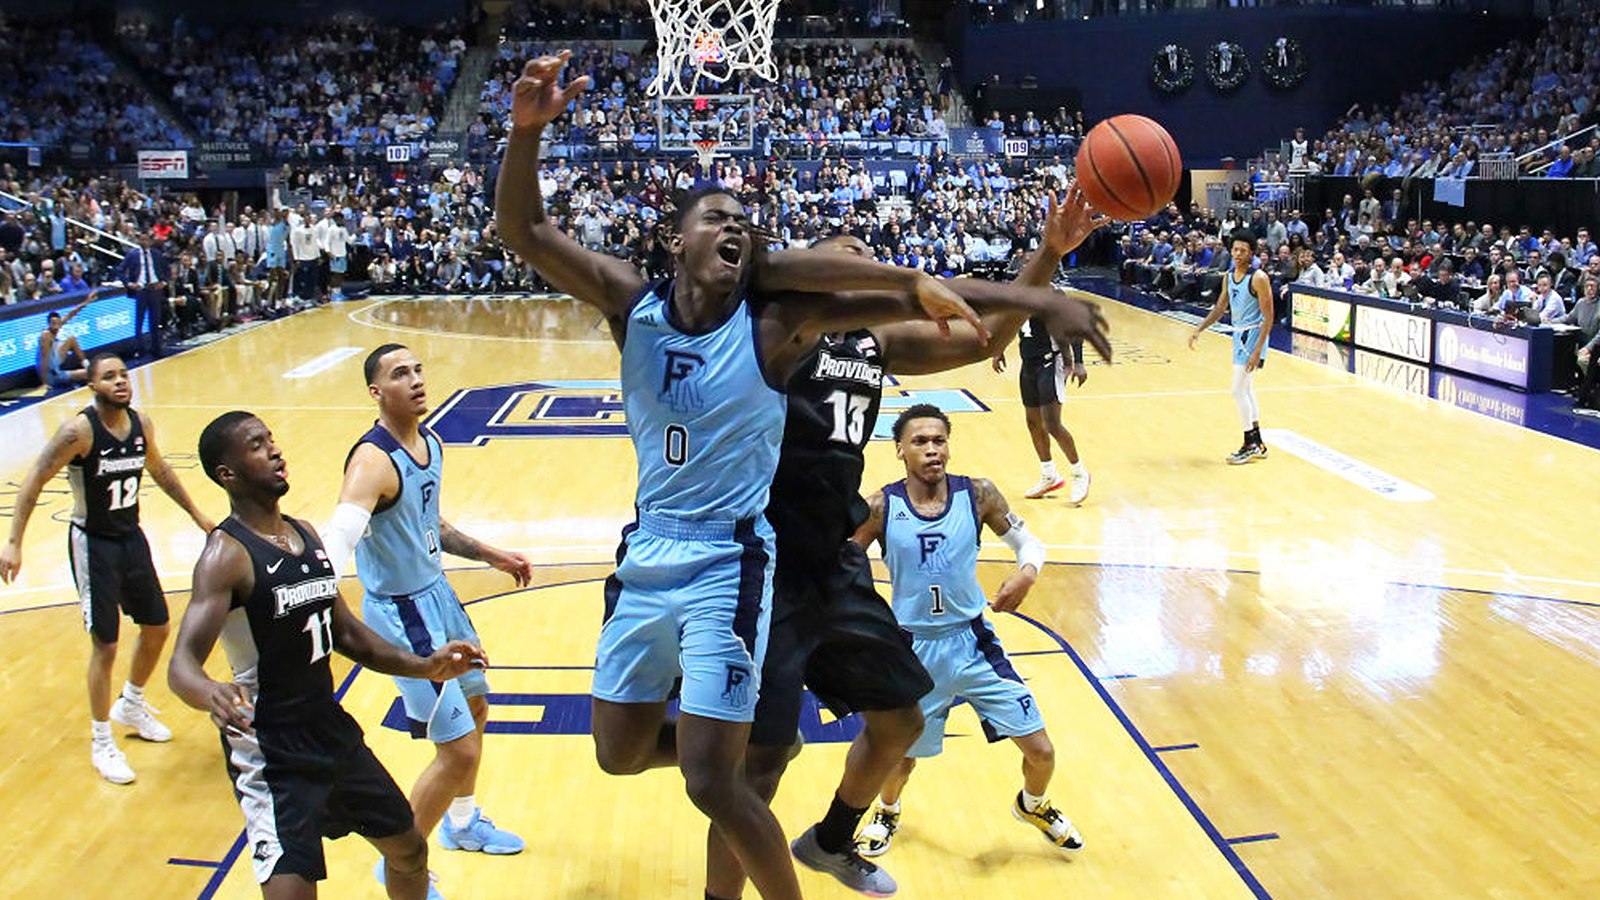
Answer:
(1247, 440)
(1255, 435)
(838, 827)
(711, 896)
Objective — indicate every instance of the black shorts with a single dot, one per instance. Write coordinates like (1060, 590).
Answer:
(113, 572)
(1043, 382)
(299, 783)
(831, 632)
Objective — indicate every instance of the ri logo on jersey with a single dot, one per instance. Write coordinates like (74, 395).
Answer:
(679, 381)
(932, 545)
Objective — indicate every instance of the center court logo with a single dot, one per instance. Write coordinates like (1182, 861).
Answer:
(593, 408)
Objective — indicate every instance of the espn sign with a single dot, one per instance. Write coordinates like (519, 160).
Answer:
(163, 164)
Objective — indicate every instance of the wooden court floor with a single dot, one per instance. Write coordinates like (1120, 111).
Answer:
(1364, 667)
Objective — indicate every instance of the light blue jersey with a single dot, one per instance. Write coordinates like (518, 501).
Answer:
(1244, 309)
(399, 554)
(705, 424)
(278, 245)
(933, 561)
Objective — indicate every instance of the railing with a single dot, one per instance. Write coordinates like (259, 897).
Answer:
(1555, 143)
(1496, 166)
(104, 235)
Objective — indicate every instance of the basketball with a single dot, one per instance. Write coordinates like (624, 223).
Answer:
(1129, 168)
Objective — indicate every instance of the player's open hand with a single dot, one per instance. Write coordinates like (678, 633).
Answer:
(10, 561)
(1079, 374)
(998, 363)
(1013, 590)
(1068, 224)
(230, 708)
(538, 97)
(455, 659)
(1194, 338)
(514, 564)
(942, 304)
(1071, 319)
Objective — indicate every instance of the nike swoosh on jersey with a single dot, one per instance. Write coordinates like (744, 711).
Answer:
(274, 567)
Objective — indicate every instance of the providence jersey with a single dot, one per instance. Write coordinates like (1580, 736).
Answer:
(933, 561)
(704, 422)
(278, 638)
(105, 481)
(1034, 342)
(833, 405)
(399, 554)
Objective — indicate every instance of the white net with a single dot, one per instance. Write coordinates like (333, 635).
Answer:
(702, 44)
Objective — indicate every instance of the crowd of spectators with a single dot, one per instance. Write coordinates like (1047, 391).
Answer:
(1522, 101)
(301, 90)
(58, 88)
(829, 98)
(630, 19)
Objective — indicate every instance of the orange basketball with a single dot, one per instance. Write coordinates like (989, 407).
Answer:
(1129, 168)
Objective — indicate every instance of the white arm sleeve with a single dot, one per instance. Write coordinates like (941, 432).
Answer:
(342, 533)
(1029, 549)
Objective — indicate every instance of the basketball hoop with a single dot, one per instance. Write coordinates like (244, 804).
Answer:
(706, 151)
(706, 42)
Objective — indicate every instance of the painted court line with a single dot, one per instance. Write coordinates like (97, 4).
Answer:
(1252, 838)
(1172, 747)
(322, 363)
(1350, 469)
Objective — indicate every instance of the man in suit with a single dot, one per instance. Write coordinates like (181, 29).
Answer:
(144, 271)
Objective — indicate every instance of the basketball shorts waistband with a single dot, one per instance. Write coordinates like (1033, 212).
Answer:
(681, 529)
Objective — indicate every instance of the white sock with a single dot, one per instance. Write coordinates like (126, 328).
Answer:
(462, 810)
(102, 731)
(1030, 802)
(890, 807)
(1047, 469)
(1078, 469)
(133, 692)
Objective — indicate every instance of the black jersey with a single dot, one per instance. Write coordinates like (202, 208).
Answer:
(105, 481)
(1034, 343)
(279, 637)
(833, 406)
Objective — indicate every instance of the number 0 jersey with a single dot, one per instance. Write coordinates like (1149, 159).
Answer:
(105, 481)
(933, 561)
(279, 637)
(834, 395)
(705, 424)
(399, 554)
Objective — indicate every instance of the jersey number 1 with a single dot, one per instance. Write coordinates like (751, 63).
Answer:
(849, 416)
(320, 626)
(938, 600)
(124, 493)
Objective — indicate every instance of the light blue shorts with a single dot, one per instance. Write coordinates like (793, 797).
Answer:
(690, 600)
(338, 264)
(276, 258)
(1244, 341)
(969, 664)
(422, 623)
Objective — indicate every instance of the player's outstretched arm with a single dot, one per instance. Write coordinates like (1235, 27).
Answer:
(790, 272)
(168, 479)
(456, 543)
(605, 282)
(72, 439)
(223, 569)
(872, 529)
(354, 639)
(996, 513)
(914, 348)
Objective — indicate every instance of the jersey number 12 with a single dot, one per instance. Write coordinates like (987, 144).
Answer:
(124, 493)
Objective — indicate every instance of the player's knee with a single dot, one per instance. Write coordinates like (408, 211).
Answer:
(1039, 751)
(461, 753)
(157, 633)
(408, 855)
(764, 768)
(895, 729)
(615, 760)
(103, 650)
(714, 790)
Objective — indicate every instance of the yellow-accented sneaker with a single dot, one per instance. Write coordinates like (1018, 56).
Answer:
(1057, 829)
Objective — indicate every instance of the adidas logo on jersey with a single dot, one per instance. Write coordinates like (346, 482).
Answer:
(858, 370)
(900, 515)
